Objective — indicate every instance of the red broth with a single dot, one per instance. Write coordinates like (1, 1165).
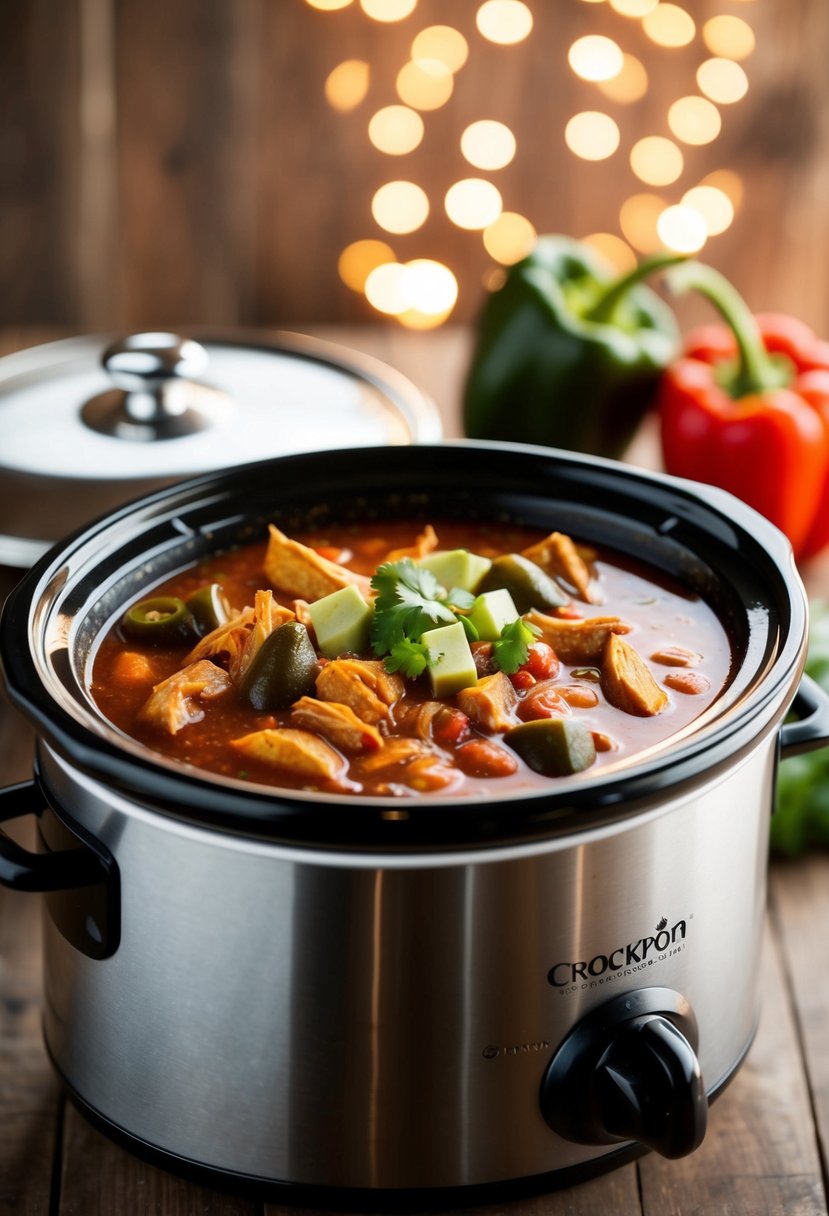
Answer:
(661, 616)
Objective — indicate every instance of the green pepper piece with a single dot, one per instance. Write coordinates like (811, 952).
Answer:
(566, 355)
(529, 585)
(164, 620)
(283, 669)
(209, 608)
(554, 747)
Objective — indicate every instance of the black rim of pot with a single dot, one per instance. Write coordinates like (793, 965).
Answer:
(707, 538)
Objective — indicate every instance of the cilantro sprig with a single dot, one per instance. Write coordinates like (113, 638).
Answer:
(408, 603)
(512, 649)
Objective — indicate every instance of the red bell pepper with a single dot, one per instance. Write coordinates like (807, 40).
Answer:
(746, 408)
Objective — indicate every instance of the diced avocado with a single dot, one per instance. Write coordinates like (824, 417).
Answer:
(456, 568)
(449, 659)
(341, 621)
(554, 747)
(529, 585)
(491, 611)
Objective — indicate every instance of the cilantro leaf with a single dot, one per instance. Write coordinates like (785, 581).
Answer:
(408, 657)
(512, 648)
(459, 598)
(407, 604)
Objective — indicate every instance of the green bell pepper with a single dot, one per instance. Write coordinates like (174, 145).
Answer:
(567, 355)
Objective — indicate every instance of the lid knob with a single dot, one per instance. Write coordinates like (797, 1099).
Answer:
(158, 394)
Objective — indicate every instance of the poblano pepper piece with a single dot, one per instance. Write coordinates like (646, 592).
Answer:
(567, 355)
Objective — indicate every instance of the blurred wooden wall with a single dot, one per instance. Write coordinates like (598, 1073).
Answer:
(169, 161)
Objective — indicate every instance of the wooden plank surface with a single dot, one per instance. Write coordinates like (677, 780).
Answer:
(767, 1144)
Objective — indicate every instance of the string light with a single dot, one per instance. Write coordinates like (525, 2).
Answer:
(473, 203)
(612, 249)
(400, 207)
(443, 43)
(633, 8)
(358, 259)
(395, 130)
(729, 37)
(347, 84)
(595, 57)
(425, 84)
(723, 80)
(694, 120)
(715, 207)
(656, 160)
(638, 218)
(509, 238)
(682, 229)
(592, 135)
(487, 144)
(629, 85)
(388, 10)
(669, 25)
(504, 21)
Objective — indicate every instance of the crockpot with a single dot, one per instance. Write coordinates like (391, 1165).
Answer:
(292, 989)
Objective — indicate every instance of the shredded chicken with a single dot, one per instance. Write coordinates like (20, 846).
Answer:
(491, 702)
(559, 556)
(397, 750)
(581, 641)
(362, 684)
(426, 543)
(627, 681)
(302, 614)
(228, 639)
(296, 750)
(336, 722)
(268, 615)
(296, 570)
(173, 704)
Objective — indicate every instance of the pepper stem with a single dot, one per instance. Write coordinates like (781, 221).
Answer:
(604, 307)
(757, 370)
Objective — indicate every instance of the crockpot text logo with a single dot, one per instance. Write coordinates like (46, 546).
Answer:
(633, 956)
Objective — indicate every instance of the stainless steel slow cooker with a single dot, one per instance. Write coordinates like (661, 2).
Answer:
(291, 989)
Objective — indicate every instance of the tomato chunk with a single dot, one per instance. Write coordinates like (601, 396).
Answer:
(480, 758)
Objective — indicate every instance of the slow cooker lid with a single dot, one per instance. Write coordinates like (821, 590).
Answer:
(716, 545)
(151, 408)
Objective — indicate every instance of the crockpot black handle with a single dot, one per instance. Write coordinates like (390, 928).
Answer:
(25, 871)
(811, 730)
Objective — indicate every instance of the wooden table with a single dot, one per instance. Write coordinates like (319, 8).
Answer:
(768, 1142)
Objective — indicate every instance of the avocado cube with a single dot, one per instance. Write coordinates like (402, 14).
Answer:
(491, 611)
(341, 622)
(449, 660)
(456, 568)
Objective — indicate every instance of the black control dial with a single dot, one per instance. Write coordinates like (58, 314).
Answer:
(629, 1071)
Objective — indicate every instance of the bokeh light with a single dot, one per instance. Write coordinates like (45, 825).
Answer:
(358, 259)
(425, 84)
(385, 288)
(388, 10)
(430, 287)
(682, 229)
(730, 37)
(656, 160)
(328, 6)
(669, 25)
(504, 21)
(629, 85)
(395, 130)
(347, 84)
(694, 120)
(723, 80)
(443, 43)
(715, 207)
(616, 252)
(595, 57)
(633, 8)
(473, 203)
(400, 207)
(729, 182)
(487, 144)
(638, 217)
(592, 135)
(509, 238)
